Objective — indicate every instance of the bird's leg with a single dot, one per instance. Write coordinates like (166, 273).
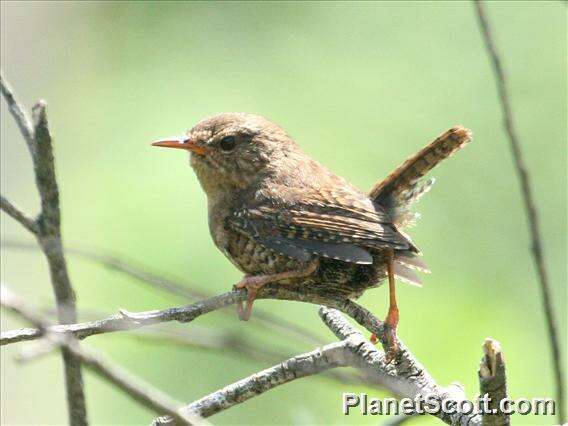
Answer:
(391, 320)
(253, 283)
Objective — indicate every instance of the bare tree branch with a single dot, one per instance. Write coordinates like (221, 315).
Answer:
(19, 335)
(47, 230)
(493, 382)
(142, 392)
(529, 204)
(18, 215)
(125, 320)
(19, 114)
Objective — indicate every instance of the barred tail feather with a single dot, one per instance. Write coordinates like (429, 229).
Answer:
(405, 177)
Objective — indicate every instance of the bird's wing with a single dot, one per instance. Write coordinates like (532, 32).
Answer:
(336, 224)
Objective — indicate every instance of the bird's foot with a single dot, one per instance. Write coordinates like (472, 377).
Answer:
(252, 283)
(390, 339)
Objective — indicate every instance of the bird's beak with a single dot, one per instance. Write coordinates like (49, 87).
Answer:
(181, 142)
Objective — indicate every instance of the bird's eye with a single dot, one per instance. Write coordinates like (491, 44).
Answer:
(227, 143)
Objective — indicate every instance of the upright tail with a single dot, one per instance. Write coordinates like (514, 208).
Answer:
(402, 188)
(406, 176)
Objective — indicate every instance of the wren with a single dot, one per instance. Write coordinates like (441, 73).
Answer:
(283, 218)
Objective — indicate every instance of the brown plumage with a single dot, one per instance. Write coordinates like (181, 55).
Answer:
(281, 217)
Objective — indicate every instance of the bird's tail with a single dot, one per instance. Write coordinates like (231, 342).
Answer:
(403, 187)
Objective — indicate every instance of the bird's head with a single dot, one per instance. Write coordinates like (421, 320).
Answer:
(229, 151)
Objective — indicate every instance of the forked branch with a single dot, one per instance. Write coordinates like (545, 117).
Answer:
(47, 230)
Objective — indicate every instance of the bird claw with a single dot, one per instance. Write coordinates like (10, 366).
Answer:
(373, 338)
(252, 285)
(251, 282)
(389, 342)
(388, 337)
(243, 312)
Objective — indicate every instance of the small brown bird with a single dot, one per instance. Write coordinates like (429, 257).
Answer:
(282, 217)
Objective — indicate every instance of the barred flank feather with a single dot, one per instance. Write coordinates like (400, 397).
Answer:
(412, 261)
(406, 275)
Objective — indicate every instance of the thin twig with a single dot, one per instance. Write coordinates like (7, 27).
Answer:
(19, 114)
(49, 238)
(125, 320)
(18, 215)
(529, 204)
(47, 231)
(131, 385)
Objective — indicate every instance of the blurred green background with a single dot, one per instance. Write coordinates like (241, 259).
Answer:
(360, 86)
